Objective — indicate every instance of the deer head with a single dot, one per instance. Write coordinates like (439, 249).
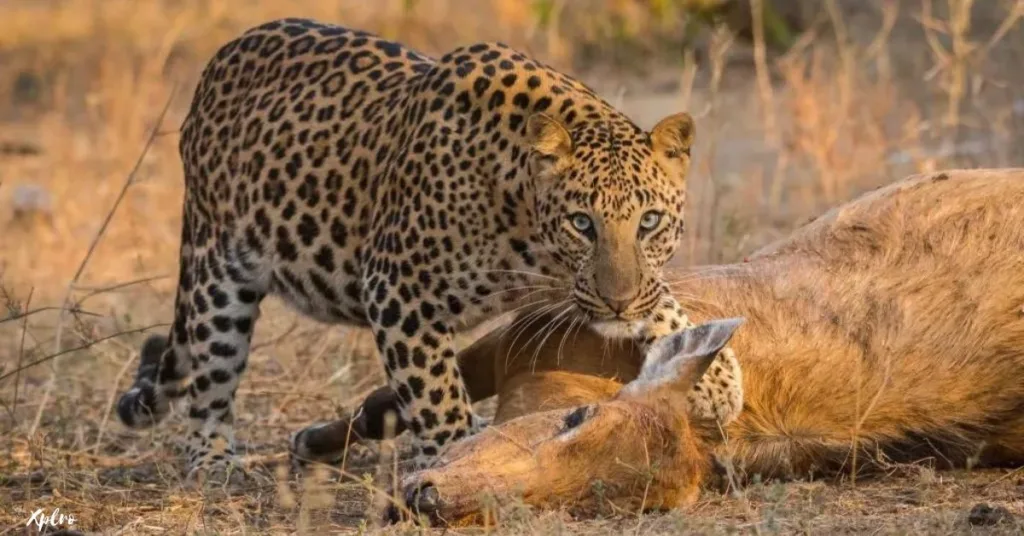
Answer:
(638, 449)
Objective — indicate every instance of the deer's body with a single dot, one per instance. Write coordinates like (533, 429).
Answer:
(894, 324)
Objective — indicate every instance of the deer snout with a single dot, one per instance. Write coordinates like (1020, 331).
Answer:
(421, 499)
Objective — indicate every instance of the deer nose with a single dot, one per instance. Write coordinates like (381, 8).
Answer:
(420, 500)
(423, 500)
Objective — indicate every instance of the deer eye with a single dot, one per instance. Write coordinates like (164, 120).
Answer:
(576, 417)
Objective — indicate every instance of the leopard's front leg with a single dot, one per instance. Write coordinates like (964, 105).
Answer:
(416, 344)
(711, 398)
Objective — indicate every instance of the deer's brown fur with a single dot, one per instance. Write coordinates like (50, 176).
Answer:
(892, 325)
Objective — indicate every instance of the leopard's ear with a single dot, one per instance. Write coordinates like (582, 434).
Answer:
(549, 140)
(673, 136)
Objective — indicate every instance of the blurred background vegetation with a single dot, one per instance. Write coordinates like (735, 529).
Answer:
(825, 99)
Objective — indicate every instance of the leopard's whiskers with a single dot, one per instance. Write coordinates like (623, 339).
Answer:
(528, 320)
(551, 327)
(578, 319)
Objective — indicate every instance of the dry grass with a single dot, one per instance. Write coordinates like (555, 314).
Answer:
(871, 91)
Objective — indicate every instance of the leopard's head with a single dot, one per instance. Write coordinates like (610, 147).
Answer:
(609, 202)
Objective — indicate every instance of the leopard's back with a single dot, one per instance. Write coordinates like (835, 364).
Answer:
(290, 130)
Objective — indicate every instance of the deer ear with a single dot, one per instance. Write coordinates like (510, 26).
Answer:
(549, 140)
(673, 136)
(682, 358)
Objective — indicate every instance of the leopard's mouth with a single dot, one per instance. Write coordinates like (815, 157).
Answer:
(628, 325)
(618, 328)
(608, 323)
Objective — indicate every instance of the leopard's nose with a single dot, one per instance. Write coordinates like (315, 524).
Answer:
(618, 304)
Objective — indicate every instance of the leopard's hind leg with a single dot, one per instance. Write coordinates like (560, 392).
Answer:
(219, 292)
(224, 308)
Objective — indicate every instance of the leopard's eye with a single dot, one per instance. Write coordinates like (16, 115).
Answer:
(581, 222)
(650, 220)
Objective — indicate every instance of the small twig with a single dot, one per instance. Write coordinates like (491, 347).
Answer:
(1016, 13)
(513, 440)
(21, 358)
(1004, 477)
(886, 378)
(124, 190)
(877, 49)
(830, 180)
(100, 290)
(72, 310)
(689, 75)
(855, 440)
(42, 360)
(110, 402)
(862, 417)
(959, 25)
(88, 255)
(647, 488)
(348, 440)
(275, 340)
(764, 84)
(721, 41)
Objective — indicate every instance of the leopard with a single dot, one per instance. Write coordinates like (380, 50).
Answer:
(364, 183)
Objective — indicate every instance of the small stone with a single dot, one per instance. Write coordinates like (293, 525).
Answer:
(30, 198)
(984, 515)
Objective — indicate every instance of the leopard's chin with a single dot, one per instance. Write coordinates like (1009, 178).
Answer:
(613, 328)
